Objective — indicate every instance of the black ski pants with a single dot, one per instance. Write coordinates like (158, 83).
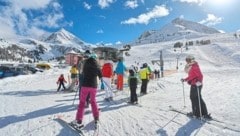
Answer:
(133, 94)
(195, 101)
(59, 86)
(144, 86)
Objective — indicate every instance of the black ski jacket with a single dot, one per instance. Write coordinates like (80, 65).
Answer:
(91, 71)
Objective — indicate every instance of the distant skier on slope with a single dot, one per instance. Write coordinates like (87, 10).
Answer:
(195, 79)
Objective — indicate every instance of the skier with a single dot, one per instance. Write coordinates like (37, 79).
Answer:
(107, 73)
(144, 76)
(158, 73)
(120, 69)
(195, 79)
(91, 71)
(132, 83)
(74, 77)
(87, 54)
(60, 82)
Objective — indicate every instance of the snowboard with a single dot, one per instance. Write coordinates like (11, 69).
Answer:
(72, 128)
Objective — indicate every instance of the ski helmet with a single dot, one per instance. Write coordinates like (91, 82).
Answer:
(93, 55)
(145, 65)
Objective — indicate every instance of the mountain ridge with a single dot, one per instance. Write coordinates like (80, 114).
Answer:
(62, 41)
(176, 29)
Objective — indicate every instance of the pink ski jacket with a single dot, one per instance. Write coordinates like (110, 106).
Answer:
(194, 74)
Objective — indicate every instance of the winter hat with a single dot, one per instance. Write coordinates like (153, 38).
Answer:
(131, 72)
(145, 65)
(190, 58)
(87, 54)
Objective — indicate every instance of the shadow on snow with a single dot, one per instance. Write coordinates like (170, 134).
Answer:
(5, 121)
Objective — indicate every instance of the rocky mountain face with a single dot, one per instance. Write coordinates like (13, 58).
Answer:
(63, 37)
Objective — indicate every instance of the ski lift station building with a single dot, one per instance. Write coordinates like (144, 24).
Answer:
(72, 58)
(107, 53)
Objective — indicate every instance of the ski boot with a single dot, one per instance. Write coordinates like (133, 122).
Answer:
(96, 122)
(107, 99)
(190, 114)
(76, 124)
(208, 117)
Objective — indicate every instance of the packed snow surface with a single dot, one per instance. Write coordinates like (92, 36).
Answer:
(30, 104)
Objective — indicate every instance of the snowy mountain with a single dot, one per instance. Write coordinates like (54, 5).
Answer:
(177, 29)
(58, 43)
(63, 37)
(55, 45)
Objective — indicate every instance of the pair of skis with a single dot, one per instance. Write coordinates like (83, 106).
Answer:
(73, 130)
(77, 130)
(212, 121)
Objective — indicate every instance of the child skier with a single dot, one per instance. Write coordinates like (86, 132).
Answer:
(132, 83)
(60, 82)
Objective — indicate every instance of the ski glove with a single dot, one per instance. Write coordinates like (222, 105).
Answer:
(198, 83)
(182, 80)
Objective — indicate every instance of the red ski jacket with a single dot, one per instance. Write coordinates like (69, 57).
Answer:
(61, 79)
(107, 70)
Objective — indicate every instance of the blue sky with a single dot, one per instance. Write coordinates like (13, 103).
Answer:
(111, 21)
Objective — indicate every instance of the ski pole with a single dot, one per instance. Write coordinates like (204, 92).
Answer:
(78, 89)
(200, 108)
(183, 95)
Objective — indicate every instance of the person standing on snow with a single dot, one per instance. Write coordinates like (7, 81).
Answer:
(74, 77)
(86, 55)
(144, 76)
(74, 72)
(60, 82)
(132, 83)
(107, 73)
(91, 71)
(195, 79)
(120, 69)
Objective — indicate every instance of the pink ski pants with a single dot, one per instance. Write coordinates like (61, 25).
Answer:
(84, 92)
